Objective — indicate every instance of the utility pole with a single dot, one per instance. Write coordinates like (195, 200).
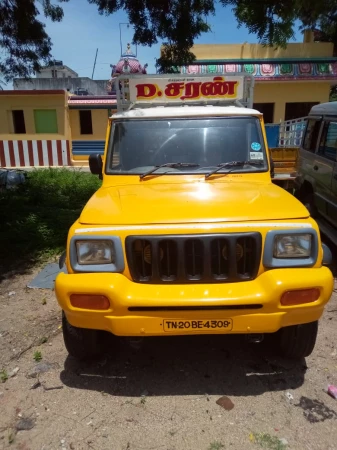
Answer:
(93, 70)
(120, 37)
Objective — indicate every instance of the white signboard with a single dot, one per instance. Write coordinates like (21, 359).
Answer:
(180, 89)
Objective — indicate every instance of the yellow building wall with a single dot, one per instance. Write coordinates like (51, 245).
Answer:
(258, 51)
(28, 103)
(290, 92)
(99, 119)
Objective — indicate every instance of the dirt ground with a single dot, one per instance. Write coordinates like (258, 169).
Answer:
(161, 396)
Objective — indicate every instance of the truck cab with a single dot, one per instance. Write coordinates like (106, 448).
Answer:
(317, 167)
(188, 235)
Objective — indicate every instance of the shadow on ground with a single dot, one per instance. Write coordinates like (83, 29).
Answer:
(193, 365)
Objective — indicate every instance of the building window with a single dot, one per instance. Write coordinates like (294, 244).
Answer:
(19, 126)
(85, 122)
(296, 110)
(267, 109)
(328, 144)
(45, 121)
(54, 73)
(311, 135)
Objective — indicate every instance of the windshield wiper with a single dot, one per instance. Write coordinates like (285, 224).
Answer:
(172, 164)
(233, 164)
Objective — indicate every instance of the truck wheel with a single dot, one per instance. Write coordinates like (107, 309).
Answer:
(308, 202)
(297, 341)
(81, 343)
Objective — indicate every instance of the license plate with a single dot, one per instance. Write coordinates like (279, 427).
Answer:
(204, 325)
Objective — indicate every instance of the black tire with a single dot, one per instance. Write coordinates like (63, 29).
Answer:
(81, 343)
(297, 341)
(309, 203)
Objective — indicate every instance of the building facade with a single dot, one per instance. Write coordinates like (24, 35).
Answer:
(88, 118)
(61, 77)
(57, 70)
(34, 129)
(78, 85)
(42, 122)
(288, 82)
(51, 128)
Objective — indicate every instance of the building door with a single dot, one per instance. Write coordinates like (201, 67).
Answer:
(267, 109)
(296, 110)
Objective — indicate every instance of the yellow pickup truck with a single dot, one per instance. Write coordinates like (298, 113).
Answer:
(284, 141)
(188, 235)
(285, 166)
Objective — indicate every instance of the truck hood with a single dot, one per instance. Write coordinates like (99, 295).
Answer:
(190, 202)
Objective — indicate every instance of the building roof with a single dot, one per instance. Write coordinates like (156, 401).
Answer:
(57, 67)
(329, 108)
(289, 60)
(92, 102)
(305, 71)
(35, 92)
(186, 111)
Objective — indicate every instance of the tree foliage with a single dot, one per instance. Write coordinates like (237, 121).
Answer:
(176, 22)
(25, 45)
(274, 21)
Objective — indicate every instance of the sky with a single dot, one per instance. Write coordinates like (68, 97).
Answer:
(83, 30)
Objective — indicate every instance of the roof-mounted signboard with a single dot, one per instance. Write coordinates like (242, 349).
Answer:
(175, 90)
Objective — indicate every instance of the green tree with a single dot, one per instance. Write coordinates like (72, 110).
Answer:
(176, 22)
(274, 21)
(25, 45)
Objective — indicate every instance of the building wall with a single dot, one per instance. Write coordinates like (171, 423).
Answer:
(99, 125)
(305, 82)
(290, 92)
(31, 148)
(66, 147)
(67, 84)
(29, 103)
(56, 72)
(258, 51)
(85, 144)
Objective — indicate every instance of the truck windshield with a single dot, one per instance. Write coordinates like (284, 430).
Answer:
(137, 145)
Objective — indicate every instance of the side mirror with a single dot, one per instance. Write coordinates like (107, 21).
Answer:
(96, 165)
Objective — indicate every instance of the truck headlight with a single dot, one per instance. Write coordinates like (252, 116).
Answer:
(95, 252)
(292, 246)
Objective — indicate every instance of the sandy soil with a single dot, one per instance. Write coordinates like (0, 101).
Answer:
(161, 396)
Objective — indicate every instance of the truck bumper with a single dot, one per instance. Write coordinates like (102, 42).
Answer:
(144, 309)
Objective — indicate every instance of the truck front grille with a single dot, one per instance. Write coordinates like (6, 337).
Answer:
(178, 259)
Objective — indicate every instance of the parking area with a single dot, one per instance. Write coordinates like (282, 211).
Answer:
(197, 392)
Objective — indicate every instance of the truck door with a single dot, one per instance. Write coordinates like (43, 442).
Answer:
(334, 197)
(307, 155)
(324, 166)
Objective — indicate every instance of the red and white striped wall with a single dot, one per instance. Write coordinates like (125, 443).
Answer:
(35, 153)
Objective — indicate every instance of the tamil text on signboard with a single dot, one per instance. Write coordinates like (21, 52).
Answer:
(187, 89)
